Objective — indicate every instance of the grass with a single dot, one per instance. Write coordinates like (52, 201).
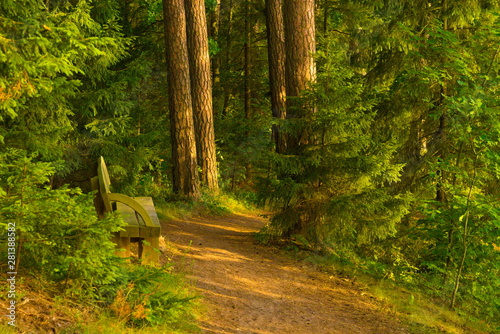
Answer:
(107, 324)
(421, 313)
(154, 300)
(210, 204)
(43, 310)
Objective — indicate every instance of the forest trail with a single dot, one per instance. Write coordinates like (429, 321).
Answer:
(253, 289)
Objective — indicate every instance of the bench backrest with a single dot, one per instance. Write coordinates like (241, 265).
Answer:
(104, 184)
(108, 198)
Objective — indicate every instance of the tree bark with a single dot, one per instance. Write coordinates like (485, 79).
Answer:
(213, 32)
(247, 96)
(184, 166)
(247, 64)
(276, 58)
(201, 91)
(300, 68)
(226, 17)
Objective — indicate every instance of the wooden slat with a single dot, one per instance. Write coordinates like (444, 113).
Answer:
(149, 231)
(132, 229)
(104, 183)
(134, 205)
(148, 205)
(98, 202)
(122, 245)
(137, 226)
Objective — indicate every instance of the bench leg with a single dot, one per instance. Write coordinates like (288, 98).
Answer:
(122, 246)
(150, 254)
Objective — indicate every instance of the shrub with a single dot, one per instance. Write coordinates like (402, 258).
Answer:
(58, 233)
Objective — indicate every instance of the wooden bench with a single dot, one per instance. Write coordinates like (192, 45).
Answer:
(138, 212)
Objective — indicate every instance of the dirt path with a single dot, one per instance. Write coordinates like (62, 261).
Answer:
(250, 288)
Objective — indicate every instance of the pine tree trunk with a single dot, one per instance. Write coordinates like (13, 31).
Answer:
(300, 69)
(247, 97)
(213, 32)
(326, 8)
(226, 13)
(184, 167)
(276, 55)
(247, 64)
(201, 91)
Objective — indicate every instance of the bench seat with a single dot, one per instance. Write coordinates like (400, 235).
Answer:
(136, 227)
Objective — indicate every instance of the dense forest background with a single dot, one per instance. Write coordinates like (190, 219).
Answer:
(371, 128)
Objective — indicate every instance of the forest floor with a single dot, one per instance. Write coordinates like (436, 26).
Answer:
(252, 288)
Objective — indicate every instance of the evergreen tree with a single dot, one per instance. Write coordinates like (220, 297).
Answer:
(185, 174)
(201, 88)
(433, 64)
(47, 51)
(300, 66)
(276, 56)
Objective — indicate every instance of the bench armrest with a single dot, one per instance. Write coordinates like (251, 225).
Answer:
(129, 201)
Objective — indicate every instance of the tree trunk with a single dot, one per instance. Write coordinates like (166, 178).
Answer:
(201, 91)
(185, 176)
(247, 96)
(276, 56)
(226, 17)
(213, 32)
(300, 69)
(325, 16)
(247, 63)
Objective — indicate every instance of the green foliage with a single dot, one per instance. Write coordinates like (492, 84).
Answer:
(153, 10)
(213, 47)
(210, 5)
(243, 136)
(63, 243)
(45, 52)
(445, 89)
(336, 188)
(70, 86)
(463, 230)
(57, 229)
(149, 296)
(399, 169)
(121, 113)
(214, 204)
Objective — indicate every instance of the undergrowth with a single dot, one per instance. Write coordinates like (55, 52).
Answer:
(209, 204)
(143, 299)
(414, 299)
(68, 278)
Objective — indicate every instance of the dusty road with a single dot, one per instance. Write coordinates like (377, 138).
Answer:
(252, 289)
